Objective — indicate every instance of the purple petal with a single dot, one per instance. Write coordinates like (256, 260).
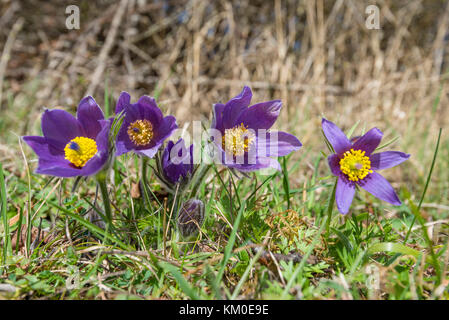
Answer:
(387, 159)
(162, 128)
(279, 144)
(173, 169)
(150, 152)
(50, 164)
(89, 113)
(40, 147)
(123, 100)
(335, 136)
(379, 187)
(344, 194)
(97, 162)
(262, 163)
(235, 107)
(217, 121)
(149, 110)
(166, 128)
(334, 164)
(59, 127)
(369, 141)
(57, 165)
(57, 168)
(261, 116)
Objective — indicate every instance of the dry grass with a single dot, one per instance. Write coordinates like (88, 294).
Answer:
(317, 56)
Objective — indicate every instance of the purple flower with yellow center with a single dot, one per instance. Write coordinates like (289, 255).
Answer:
(355, 164)
(177, 161)
(144, 128)
(245, 133)
(72, 146)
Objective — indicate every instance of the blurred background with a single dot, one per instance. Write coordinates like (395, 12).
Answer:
(318, 56)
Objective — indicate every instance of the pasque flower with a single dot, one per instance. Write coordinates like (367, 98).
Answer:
(72, 146)
(246, 143)
(177, 161)
(190, 217)
(355, 164)
(144, 128)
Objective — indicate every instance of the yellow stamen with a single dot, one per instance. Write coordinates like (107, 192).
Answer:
(140, 132)
(236, 141)
(80, 150)
(355, 165)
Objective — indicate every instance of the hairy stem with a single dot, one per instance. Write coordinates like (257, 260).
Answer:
(101, 179)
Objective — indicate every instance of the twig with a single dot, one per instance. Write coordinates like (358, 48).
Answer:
(7, 52)
(110, 39)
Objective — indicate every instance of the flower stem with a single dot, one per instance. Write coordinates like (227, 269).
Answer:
(101, 179)
(144, 181)
(199, 179)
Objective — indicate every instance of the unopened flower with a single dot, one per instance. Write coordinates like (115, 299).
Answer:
(190, 217)
(177, 161)
(144, 128)
(72, 146)
(355, 164)
(245, 135)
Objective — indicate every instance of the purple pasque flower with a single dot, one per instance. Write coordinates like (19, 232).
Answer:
(190, 218)
(355, 164)
(246, 143)
(177, 161)
(144, 128)
(72, 146)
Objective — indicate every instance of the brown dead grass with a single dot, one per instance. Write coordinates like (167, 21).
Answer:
(317, 56)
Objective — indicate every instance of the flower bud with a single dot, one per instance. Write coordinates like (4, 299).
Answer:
(190, 217)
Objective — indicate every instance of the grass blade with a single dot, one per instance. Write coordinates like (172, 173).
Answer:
(4, 214)
(426, 186)
(230, 244)
(183, 284)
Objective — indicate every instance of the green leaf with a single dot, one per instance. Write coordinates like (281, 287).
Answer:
(183, 284)
(393, 248)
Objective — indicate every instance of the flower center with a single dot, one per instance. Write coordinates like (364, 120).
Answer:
(80, 150)
(140, 132)
(237, 140)
(355, 165)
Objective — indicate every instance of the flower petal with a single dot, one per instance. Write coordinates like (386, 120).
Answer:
(50, 164)
(261, 115)
(344, 194)
(88, 114)
(279, 143)
(97, 162)
(123, 100)
(59, 127)
(262, 163)
(150, 152)
(379, 187)
(165, 129)
(369, 141)
(387, 159)
(335, 136)
(56, 168)
(149, 110)
(40, 146)
(334, 164)
(175, 169)
(235, 107)
(217, 120)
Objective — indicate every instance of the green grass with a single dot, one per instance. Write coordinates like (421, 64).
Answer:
(144, 258)
(264, 237)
